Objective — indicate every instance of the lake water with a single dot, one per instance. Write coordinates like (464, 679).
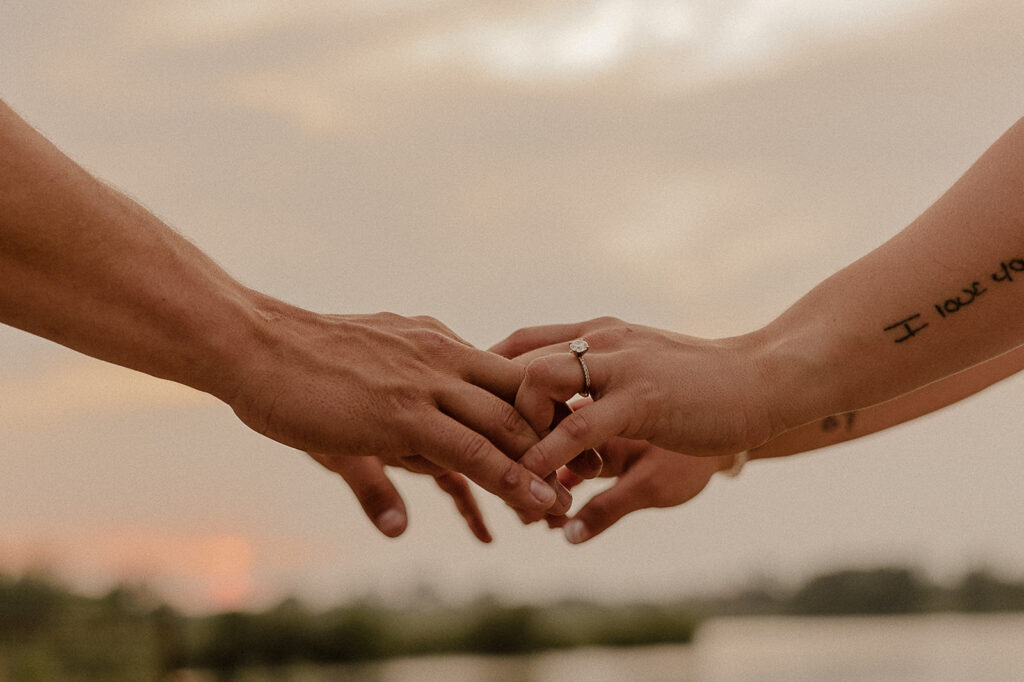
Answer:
(929, 648)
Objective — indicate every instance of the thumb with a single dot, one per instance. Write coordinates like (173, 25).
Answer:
(605, 509)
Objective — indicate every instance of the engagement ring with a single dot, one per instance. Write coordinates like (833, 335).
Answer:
(578, 348)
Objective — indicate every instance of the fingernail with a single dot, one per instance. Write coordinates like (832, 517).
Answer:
(542, 492)
(391, 522)
(576, 532)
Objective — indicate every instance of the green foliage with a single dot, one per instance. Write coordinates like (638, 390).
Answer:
(647, 624)
(29, 606)
(47, 632)
(877, 591)
(980, 591)
(505, 630)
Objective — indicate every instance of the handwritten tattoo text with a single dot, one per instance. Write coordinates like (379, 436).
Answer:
(908, 330)
(912, 325)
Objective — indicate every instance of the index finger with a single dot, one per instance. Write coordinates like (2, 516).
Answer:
(587, 464)
(585, 429)
(500, 424)
(454, 446)
(493, 373)
(530, 338)
(491, 417)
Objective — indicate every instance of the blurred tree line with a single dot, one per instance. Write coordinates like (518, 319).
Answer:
(48, 632)
(887, 590)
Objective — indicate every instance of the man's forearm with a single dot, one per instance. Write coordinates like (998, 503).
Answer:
(943, 295)
(86, 267)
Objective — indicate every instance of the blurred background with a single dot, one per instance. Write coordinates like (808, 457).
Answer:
(696, 165)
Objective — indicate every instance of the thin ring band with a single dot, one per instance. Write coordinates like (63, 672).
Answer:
(578, 348)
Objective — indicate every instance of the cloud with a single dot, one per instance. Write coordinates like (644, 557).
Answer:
(198, 23)
(696, 166)
(659, 45)
(569, 40)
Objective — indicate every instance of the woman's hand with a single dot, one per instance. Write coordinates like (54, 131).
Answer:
(694, 396)
(647, 477)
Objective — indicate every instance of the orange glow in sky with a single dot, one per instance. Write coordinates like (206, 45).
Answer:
(204, 572)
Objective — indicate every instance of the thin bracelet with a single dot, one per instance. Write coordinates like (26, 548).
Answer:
(738, 460)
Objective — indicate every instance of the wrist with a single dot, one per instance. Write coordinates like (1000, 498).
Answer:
(799, 376)
(263, 335)
(228, 335)
(239, 340)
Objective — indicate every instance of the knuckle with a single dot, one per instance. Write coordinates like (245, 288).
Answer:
(474, 452)
(433, 323)
(576, 426)
(604, 339)
(406, 408)
(430, 341)
(510, 420)
(389, 317)
(509, 480)
(538, 373)
(542, 459)
(606, 321)
(610, 336)
(519, 336)
(534, 458)
(520, 341)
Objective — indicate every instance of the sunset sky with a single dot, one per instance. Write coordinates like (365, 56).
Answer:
(693, 165)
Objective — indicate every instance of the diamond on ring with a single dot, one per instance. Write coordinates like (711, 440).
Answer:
(578, 348)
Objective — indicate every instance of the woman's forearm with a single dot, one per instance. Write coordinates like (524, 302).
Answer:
(838, 428)
(943, 295)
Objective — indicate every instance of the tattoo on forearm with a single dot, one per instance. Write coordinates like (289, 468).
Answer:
(952, 305)
(912, 325)
(906, 329)
(834, 421)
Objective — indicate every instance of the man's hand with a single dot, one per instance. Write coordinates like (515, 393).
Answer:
(85, 266)
(406, 390)
(384, 506)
